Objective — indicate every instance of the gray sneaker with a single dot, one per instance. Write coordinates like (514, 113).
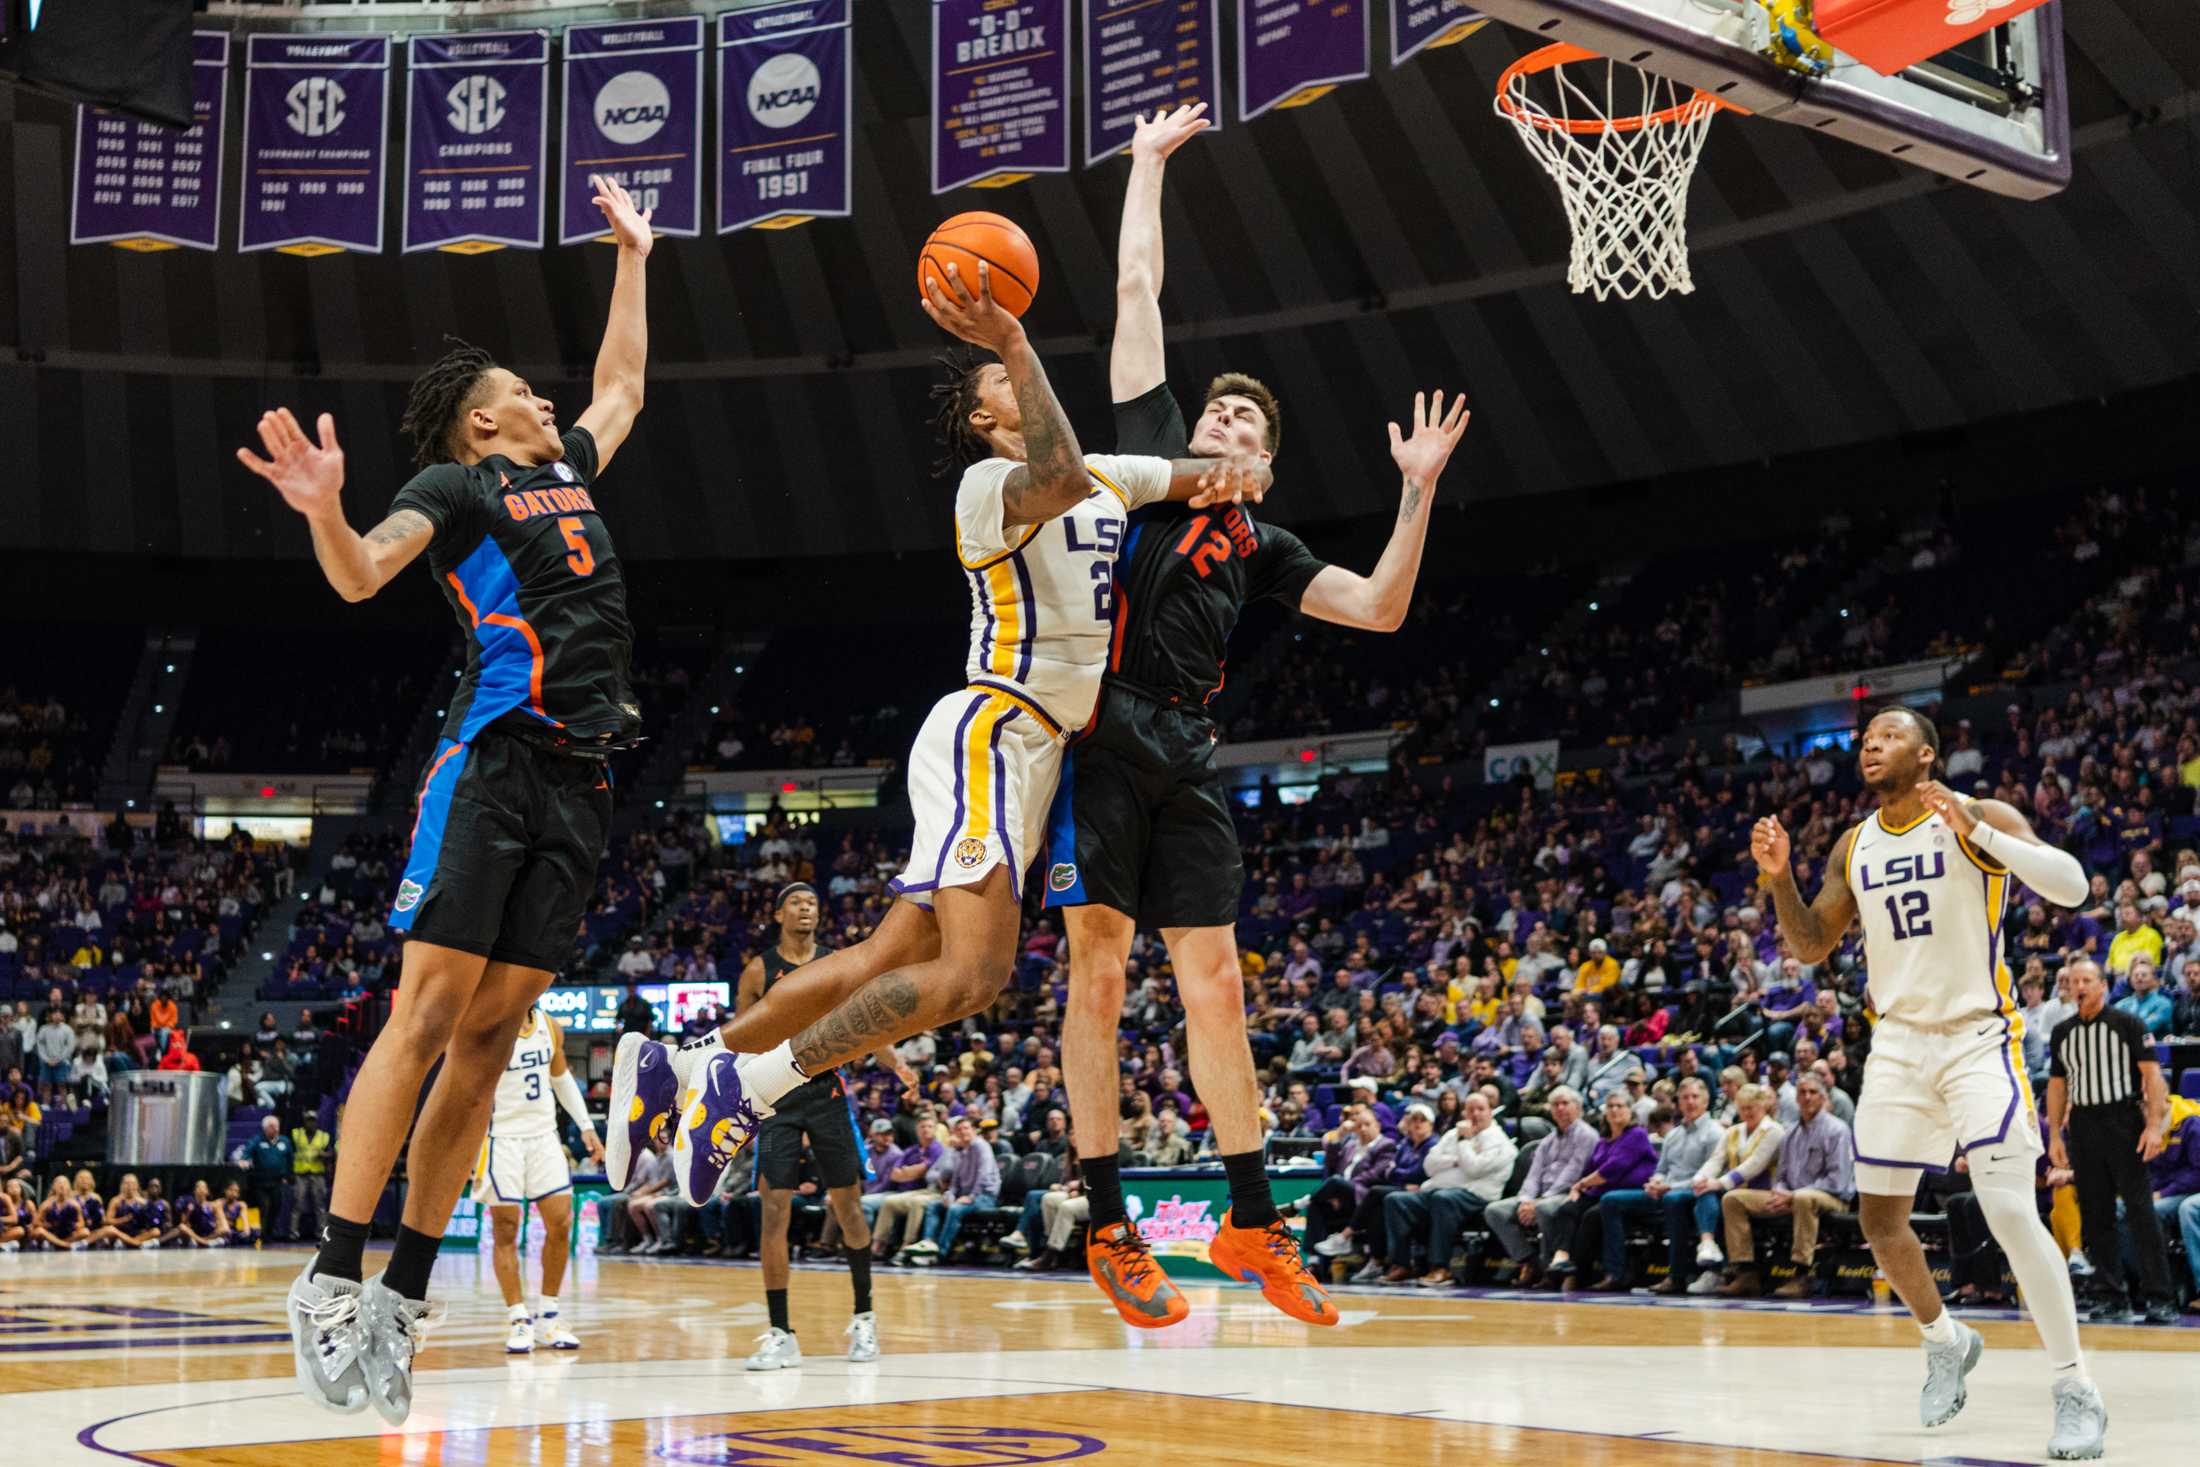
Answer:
(326, 1336)
(1945, 1368)
(395, 1326)
(2081, 1422)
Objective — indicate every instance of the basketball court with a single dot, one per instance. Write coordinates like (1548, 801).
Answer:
(984, 1369)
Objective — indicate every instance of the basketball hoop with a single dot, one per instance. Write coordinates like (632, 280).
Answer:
(1621, 154)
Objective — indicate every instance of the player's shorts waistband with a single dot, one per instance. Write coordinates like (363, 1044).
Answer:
(537, 734)
(1968, 1026)
(1188, 704)
(1022, 700)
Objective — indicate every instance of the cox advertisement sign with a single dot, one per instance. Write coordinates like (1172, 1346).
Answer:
(1537, 759)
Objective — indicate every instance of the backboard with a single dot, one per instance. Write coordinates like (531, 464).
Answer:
(1993, 112)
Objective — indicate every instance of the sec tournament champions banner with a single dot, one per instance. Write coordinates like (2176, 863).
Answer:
(1143, 55)
(141, 186)
(316, 121)
(477, 121)
(783, 114)
(1416, 25)
(1291, 52)
(1000, 91)
(634, 112)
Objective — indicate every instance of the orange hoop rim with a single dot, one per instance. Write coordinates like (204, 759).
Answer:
(1562, 53)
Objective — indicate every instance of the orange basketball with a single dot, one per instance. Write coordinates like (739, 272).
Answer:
(968, 238)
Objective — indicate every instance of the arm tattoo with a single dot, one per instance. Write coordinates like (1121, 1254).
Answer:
(399, 526)
(1412, 500)
(1054, 479)
(876, 1014)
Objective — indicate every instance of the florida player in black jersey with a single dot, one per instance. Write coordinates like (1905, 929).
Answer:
(1140, 831)
(514, 805)
(816, 1114)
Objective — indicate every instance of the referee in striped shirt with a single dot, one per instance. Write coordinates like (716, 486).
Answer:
(2105, 1085)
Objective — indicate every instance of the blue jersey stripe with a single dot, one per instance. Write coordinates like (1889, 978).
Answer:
(506, 662)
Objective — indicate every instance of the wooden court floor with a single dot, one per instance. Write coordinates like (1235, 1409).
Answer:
(179, 1358)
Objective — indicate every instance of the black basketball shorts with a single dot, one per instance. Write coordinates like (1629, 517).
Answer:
(819, 1112)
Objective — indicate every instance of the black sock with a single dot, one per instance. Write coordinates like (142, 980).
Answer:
(1252, 1203)
(859, 1273)
(409, 1265)
(1104, 1185)
(343, 1244)
(776, 1301)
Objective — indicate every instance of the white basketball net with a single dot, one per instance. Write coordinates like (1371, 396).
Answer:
(1622, 170)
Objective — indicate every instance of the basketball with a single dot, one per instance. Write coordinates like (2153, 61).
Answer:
(968, 238)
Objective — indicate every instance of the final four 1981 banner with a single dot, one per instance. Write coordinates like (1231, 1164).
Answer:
(477, 121)
(783, 107)
(1000, 91)
(634, 111)
(144, 187)
(316, 114)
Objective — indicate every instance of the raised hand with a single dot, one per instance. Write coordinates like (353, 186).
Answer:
(1949, 806)
(630, 226)
(1421, 457)
(1232, 480)
(979, 321)
(309, 475)
(1158, 135)
(1768, 843)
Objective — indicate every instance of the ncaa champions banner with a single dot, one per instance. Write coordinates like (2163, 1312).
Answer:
(783, 114)
(633, 111)
(1416, 25)
(141, 186)
(1141, 56)
(1290, 52)
(1000, 91)
(316, 126)
(477, 120)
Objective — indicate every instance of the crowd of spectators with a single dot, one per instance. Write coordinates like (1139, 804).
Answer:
(49, 752)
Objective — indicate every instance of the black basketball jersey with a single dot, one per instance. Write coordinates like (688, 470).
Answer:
(1184, 574)
(525, 562)
(776, 967)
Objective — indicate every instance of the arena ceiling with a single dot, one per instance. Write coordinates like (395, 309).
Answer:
(1392, 236)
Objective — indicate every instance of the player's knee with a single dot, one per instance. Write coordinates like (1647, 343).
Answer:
(976, 984)
(504, 1229)
(421, 1029)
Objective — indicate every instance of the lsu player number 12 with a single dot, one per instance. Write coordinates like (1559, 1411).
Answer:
(523, 1164)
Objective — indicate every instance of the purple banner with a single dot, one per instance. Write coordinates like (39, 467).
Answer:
(1145, 55)
(784, 95)
(634, 111)
(477, 128)
(1291, 52)
(141, 186)
(1000, 91)
(316, 125)
(1416, 25)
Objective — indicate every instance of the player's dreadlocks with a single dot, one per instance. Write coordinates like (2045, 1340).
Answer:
(954, 399)
(437, 399)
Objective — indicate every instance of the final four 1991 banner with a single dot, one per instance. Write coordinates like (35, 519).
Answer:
(477, 120)
(316, 117)
(634, 111)
(1000, 91)
(783, 107)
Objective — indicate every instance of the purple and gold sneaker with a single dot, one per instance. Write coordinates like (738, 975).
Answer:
(719, 1118)
(644, 1096)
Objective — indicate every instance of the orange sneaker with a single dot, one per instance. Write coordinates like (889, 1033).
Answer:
(1124, 1268)
(1270, 1257)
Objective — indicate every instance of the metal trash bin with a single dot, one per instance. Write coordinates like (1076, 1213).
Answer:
(167, 1118)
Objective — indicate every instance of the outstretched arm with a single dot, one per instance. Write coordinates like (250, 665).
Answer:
(1135, 362)
(310, 477)
(1378, 601)
(624, 355)
(1812, 931)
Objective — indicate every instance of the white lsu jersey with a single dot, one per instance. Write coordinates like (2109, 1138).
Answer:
(1042, 597)
(1932, 912)
(524, 1103)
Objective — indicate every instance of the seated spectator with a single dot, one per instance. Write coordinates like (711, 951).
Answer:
(128, 1225)
(966, 1179)
(1609, 1067)
(1815, 1175)
(199, 1222)
(179, 1055)
(1466, 1170)
(60, 1219)
(1408, 1170)
(1561, 1159)
(1355, 1156)
(235, 1220)
(897, 1211)
(1623, 1160)
(1062, 1208)
(1746, 1152)
(620, 1216)
(1782, 1005)
(2146, 1001)
(2175, 1174)
(1666, 1195)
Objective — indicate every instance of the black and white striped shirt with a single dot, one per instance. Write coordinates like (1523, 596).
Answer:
(2099, 1058)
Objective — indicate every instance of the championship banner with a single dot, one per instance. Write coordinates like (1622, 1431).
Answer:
(1292, 52)
(1000, 91)
(477, 122)
(783, 114)
(140, 186)
(1417, 25)
(633, 112)
(316, 128)
(1144, 56)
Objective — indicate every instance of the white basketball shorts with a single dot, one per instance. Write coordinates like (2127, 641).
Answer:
(981, 779)
(516, 1170)
(1932, 1093)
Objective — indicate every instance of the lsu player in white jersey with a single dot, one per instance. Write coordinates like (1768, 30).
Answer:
(523, 1164)
(1929, 876)
(1037, 525)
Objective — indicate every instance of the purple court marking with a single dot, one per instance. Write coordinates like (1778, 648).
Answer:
(1002, 1446)
(161, 1343)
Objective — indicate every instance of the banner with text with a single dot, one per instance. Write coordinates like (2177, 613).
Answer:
(477, 125)
(784, 109)
(633, 112)
(1538, 759)
(1416, 25)
(1292, 52)
(1143, 56)
(316, 130)
(1000, 91)
(141, 186)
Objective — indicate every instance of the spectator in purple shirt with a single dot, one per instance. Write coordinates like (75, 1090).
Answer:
(1561, 1159)
(966, 1179)
(896, 1210)
(2176, 1179)
(1623, 1160)
(1784, 1002)
(1355, 1157)
(1408, 1171)
(1815, 1175)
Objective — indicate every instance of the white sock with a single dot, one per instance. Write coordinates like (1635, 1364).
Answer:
(2041, 1273)
(1941, 1331)
(688, 1056)
(768, 1077)
(547, 1307)
(517, 1313)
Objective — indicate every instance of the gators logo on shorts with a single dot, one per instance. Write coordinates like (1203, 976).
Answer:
(969, 851)
(409, 893)
(1062, 877)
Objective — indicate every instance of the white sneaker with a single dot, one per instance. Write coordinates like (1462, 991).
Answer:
(1016, 1243)
(775, 1350)
(10, 1247)
(1369, 1272)
(862, 1333)
(1708, 1254)
(2081, 1422)
(1704, 1283)
(394, 1328)
(922, 1248)
(556, 1335)
(521, 1341)
(2081, 1267)
(81, 1244)
(1335, 1245)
